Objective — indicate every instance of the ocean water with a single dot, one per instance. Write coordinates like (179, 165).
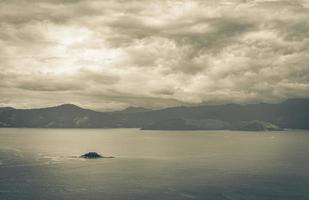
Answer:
(42, 164)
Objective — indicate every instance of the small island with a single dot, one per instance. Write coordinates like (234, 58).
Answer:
(94, 155)
(91, 155)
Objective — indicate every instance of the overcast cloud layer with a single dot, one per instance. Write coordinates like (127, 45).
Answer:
(111, 54)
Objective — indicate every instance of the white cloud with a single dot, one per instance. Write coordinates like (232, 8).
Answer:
(112, 54)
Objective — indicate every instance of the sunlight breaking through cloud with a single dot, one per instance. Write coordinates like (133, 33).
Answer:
(113, 54)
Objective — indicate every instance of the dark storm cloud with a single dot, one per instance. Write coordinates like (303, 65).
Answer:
(115, 53)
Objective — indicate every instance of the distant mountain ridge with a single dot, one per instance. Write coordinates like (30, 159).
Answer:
(290, 114)
(134, 110)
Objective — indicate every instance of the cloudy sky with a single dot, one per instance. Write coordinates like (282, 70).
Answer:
(111, 54)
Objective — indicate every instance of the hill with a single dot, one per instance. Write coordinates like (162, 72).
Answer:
(290, 114)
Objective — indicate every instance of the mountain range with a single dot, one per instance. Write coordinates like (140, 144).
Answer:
(290, 114)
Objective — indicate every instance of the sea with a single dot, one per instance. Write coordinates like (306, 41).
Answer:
(44, 164)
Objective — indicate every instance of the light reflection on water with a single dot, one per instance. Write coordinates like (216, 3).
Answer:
(40, 164)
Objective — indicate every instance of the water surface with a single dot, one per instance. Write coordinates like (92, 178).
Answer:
(40, 164)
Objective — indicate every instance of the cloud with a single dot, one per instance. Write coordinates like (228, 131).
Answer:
(112, 54)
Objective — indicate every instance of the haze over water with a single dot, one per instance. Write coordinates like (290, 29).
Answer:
(40, 164)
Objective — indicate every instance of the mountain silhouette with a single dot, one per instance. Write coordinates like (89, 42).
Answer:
(290, 114)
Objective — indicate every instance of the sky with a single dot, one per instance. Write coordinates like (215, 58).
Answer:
(112, 54)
